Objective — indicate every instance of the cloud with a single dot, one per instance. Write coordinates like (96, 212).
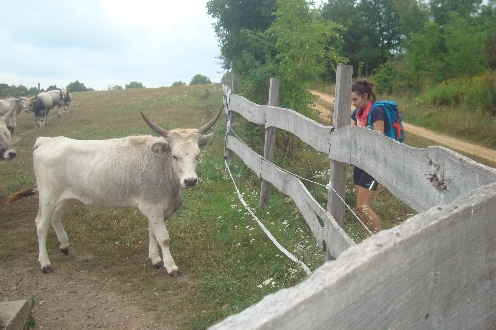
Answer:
(108, 42)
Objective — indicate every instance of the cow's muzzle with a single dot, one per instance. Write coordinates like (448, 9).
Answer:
(191, 182)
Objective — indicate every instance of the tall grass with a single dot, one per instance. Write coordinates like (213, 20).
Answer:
(462, 108)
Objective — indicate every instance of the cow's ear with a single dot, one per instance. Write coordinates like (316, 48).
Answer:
(204, 140)
(11, 129)
(161, 148)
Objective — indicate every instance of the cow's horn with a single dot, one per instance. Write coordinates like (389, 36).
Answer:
(207, 126)
(154, 127)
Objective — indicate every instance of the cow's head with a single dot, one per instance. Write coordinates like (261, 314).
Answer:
(22, 102)
(28, 103)
(6, 150)
(184, 146)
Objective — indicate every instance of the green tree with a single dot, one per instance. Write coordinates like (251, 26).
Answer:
(76, 86)
(178, 83)
(464, 45)
(134, 84)
(413, 15)
(302, 51)
(425, 55)
(52, 88)
(238, 25)
(33, 91)
(441, 9)
(200, 80)
(13, 91)
(114, 87)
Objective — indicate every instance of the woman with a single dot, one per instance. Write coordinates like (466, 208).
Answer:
(363, 97)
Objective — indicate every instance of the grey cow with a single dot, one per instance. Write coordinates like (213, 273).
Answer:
(6, 149)
(17, 104)
(41, 106)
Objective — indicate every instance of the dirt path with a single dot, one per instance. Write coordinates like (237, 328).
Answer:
(447, 141)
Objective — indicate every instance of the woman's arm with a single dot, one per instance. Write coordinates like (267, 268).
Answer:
(379, 126)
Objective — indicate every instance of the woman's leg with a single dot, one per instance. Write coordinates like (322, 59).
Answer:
(367, 215)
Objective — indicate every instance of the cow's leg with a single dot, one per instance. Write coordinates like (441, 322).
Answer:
(59, 229)
(42, 224)
(153, 253)
(158, 233)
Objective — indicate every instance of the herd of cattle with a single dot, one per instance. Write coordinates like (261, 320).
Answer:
(40, 105)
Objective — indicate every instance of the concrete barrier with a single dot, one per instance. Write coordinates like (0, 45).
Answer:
(13, 314)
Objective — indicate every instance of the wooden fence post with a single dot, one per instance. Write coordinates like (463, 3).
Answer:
(270, 141)
(337, 174)
(231, 116)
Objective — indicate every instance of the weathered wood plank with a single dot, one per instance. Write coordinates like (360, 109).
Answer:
(308, 130)
(422, 178)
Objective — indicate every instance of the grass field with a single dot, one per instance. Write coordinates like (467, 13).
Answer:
(227, 261)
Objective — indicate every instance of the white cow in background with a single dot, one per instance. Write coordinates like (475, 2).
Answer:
(142, 172)
(58, 97)
(67, 102)
(17, 104)
(6, 149)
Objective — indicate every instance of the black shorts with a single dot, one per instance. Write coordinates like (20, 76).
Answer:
(363, 179)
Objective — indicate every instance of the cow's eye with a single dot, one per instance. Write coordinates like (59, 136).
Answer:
(175, 158)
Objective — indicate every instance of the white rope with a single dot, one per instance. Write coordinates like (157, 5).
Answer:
(269, 235)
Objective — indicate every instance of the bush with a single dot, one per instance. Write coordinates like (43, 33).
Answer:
(76, 86)
(134, 84)
(179, 83)
(200, 80)
(477, 93)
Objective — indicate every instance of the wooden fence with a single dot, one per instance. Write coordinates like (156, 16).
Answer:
(456, 201)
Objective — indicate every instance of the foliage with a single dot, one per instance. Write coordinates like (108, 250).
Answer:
(238, 24)
(13, 91)
(52, 88)
(179, 83)
(302, 52)
(76, 86)
(114, 87)
(199, 80)
(476, 93)
(134, 84)
(442, 9)
(392, 77)
(425, 54)
(372, 31)
(464, 45)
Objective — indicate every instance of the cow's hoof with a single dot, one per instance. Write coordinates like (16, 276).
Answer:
(176, 274)
(47, 270)
(65, 251)
(159, 265)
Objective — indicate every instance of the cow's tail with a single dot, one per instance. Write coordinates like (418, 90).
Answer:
(21, 194)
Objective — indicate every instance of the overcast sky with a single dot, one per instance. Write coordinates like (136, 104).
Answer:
(106, 42)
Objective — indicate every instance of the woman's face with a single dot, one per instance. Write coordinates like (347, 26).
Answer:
(359, 101)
